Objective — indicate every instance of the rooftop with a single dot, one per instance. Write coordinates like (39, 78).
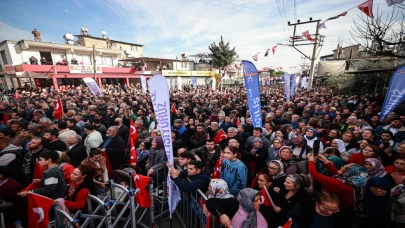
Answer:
(118, 41)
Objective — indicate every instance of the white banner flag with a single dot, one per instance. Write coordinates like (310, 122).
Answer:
(287, 86)
(93, 86)
(179, 83)
(143, 83)
(159, 92)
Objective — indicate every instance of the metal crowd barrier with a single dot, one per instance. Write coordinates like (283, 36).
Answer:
(109, 211)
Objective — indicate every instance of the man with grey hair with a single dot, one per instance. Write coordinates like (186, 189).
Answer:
(123, 130)
(114, 147)
(77, 152)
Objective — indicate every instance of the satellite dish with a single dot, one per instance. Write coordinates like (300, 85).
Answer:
(85, 31)
(68, 38)
(342, 56)
(104, 34)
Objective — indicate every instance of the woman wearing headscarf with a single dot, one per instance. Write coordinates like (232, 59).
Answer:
(376, 169)
(217, 189)
(372, 206)
(346, 183)
(311, 135)
(333, 155)
(257, 157)
(157, 158)
(285, 156)
(275, 169)
(300, 148)
(272, 153)
(242, 212)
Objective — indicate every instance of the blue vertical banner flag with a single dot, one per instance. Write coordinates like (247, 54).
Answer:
(159, 92)
(396, 92)
(252, 84)
(194, 81)
(292, 78)
(287, 86)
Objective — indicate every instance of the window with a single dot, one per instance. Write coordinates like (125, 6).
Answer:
(134, 48)
(4, 57)
(114, 44)
(107, 61)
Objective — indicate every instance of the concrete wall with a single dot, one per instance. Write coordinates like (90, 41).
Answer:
(89, 42)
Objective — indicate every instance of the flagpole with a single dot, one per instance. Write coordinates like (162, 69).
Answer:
(311, 73)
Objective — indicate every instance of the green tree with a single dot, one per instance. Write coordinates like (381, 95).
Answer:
(222, 55)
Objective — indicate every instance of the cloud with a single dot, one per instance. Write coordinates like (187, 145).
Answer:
(13, 33)
(67, 11)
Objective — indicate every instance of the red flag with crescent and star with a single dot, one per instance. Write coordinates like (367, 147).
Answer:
(58, 113)
(133, 140)
(38, 210)
(142, 185)
(220, 136)
(367, 8)
(216, 174)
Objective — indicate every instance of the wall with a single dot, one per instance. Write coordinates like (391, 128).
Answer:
(183, 65)
(89, 42)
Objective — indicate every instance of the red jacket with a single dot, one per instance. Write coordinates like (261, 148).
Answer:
(80, 201)
(343, 191)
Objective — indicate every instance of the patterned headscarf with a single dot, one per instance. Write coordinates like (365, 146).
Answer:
(280, 171)
(246, 200)
(282, 148)
(355, 176)
(220, 189)
(378, 169)
(302, 141)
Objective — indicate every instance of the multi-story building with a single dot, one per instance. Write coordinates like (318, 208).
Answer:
(41, 64)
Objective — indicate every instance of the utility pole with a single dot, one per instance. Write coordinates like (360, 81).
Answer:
(315, 44)
(94, 63)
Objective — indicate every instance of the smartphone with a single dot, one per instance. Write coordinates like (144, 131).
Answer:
(386, 145)
(316, 147)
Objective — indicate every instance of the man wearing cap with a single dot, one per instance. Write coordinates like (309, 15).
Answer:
(183, 132)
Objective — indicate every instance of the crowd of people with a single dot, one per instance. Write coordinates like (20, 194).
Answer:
(324, 159)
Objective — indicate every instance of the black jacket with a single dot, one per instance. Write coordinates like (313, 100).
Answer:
(53, 184)
(197, 142)
(77, 154)
(76, 129)
(116, 152)
(123, 132)
(202, 152)
(32, 163)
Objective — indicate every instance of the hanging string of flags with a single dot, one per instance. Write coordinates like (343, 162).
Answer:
(366, 7)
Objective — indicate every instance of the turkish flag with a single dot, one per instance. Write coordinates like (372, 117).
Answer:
(38, 210)
(287, 224)
(220, 136)
(306, 34)
(107, 163)
(266, 198)
(237, 122)
(133, 140)
(174, 110)
(273, 49)
(58, 113)
(132, 153)
(216, 174)
(367, 8)
(143, 196)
